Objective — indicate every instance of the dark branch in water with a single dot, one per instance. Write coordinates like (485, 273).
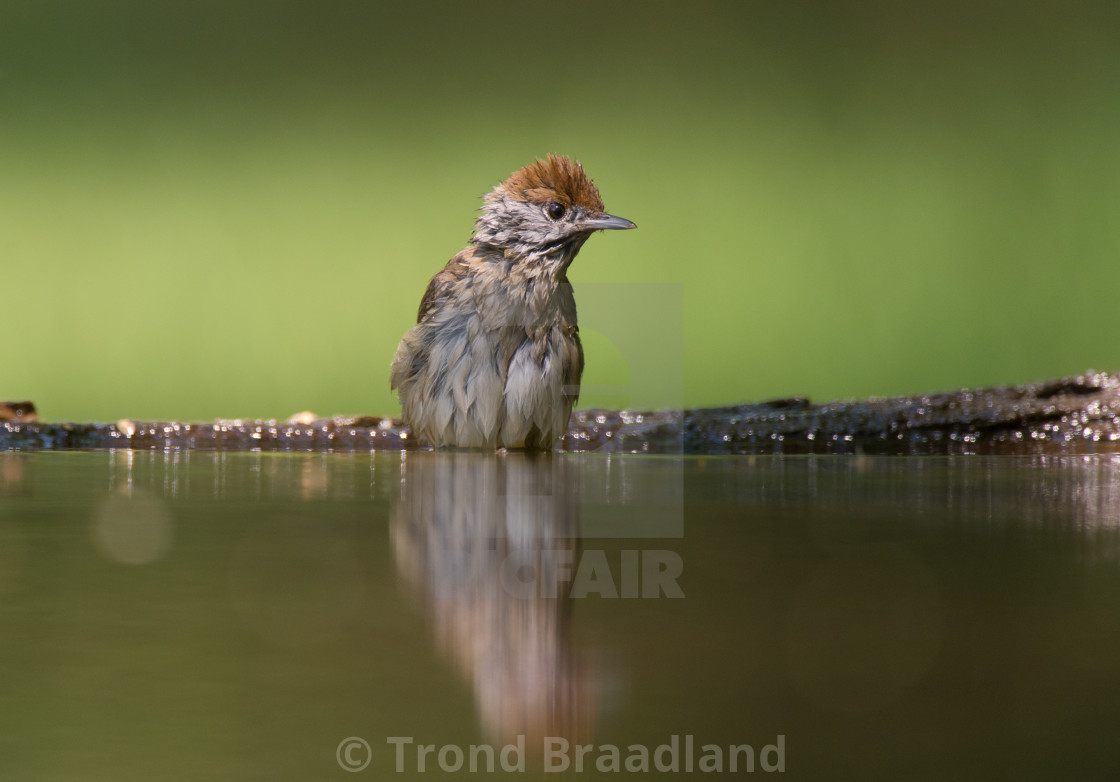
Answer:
(1073, 415)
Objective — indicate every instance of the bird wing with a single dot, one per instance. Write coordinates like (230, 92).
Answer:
(440, 286)
(437, 290)
(574, 367)
(411, 348)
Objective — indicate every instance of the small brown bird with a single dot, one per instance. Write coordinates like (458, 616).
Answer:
(494, 360)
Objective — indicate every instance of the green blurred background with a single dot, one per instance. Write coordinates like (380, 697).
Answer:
(232, 209)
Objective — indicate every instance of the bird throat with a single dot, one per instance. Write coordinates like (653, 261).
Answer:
(557, 256)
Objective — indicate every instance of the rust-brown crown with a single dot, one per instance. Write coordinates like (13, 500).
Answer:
(555, 178)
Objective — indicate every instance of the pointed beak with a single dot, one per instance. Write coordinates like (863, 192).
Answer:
(604, 222)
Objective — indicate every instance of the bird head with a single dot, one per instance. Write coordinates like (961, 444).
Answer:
(548, 207)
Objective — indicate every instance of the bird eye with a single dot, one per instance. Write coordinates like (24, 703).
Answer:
(555, 211)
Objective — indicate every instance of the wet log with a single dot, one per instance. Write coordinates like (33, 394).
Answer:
(1071, 415)
(18, 411)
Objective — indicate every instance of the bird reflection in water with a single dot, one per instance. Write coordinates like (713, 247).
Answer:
(490, 540)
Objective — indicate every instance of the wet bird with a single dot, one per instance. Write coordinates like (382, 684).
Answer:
(494, 360)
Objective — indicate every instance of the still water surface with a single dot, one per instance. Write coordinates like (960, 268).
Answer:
(188, 615)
